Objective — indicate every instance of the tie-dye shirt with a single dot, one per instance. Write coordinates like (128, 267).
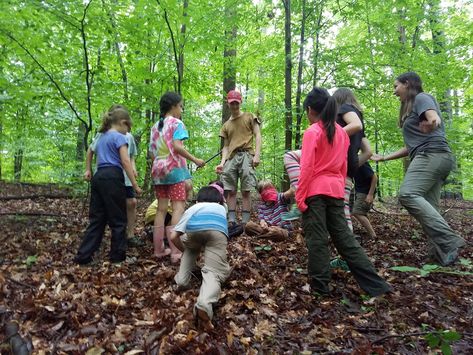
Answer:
(168, 166)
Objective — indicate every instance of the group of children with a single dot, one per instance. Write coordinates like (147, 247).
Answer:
(334, 152)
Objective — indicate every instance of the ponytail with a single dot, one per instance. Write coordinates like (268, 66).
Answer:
(166, 103)
(106, 122)
(328, 115)
(115, 114)
(326, 106)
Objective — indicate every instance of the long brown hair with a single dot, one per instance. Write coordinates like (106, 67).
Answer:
(414, 87)
(346, 96)
(115, 114)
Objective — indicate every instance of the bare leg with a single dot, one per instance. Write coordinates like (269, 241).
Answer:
(246, 206)
(365, 222)
(231, 202)
(131, 216)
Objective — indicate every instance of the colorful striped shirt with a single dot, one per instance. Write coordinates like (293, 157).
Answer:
(203, 216)
(270, 212)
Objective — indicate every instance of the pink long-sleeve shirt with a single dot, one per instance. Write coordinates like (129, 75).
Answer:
(323, 165)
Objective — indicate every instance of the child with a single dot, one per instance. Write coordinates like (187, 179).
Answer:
(108, 196)
(320, 196)
(169, 171)
(238, 157)
(273, 205)
(205, 225)
(365, 187)
(130, 193)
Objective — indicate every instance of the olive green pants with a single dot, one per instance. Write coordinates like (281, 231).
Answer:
(323, 217)
(420, 195)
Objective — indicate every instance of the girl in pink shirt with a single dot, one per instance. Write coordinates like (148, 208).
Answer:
(320, 197)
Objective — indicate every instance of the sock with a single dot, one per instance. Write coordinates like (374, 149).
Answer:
(231, 216)
(245, 216)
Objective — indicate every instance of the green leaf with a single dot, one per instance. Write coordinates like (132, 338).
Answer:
(433, 340)
(465, 262)
(31, 260)
(451, 335)
(446, 349)
(430, 267)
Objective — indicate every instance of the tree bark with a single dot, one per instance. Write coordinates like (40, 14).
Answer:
(229, 57)
(299, 110)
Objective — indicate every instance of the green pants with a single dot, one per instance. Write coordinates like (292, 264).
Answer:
(323, 217)
(420, 195)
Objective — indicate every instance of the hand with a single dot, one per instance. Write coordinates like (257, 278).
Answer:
(427, 127)
(263, 223)
(87, 175)
(137, 190)
(199, 162)
(378, 157)
(219, 168)
(369, 199)
(255, 161)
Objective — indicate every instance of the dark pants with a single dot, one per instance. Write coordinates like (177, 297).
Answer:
(107, 206)
(323, 217)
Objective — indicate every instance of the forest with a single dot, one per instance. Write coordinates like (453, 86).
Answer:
(64, 63)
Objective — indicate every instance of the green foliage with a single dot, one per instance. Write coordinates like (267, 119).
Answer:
(31, 260)
(363, 45)
(434, 268)
(442, 340)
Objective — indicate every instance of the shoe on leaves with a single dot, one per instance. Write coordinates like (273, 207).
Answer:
(293, 215)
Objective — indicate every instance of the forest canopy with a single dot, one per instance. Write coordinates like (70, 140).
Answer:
(63, 63)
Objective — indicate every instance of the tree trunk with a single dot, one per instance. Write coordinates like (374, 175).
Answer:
(299, 110)
(180, 67)
(287, 84)
(229, 56)
(18, 164)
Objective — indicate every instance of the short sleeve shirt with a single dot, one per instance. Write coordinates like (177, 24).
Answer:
(355, 139)
(417, 141)
(107, 149)
(132, 151)
(363, 178)
(271, 212)
(239, 132)
(168, 166)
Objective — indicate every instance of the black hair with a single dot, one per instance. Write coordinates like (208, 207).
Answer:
(167, 101)
(319, 100)
(414, 86)
(115, 114)
(209, 194)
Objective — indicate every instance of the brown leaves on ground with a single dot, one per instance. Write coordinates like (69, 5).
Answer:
(265, 307)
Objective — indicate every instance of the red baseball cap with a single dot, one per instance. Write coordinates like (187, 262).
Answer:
(233, 96)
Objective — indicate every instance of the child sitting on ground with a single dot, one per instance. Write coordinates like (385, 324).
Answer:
(273, 205)
(205, 227)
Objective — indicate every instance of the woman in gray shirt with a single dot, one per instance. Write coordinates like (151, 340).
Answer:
(431, 162)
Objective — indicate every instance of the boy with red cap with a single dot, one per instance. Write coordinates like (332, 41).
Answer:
(238, 156)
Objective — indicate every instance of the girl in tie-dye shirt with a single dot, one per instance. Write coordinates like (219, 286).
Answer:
(169, 170)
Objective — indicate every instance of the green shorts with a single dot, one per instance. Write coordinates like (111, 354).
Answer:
(240, 166)
(360, 206)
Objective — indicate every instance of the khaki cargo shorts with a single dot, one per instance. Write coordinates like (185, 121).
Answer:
(239, 167)
(360, 206)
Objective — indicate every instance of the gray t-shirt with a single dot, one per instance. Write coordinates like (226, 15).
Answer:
(415, 140)
(132, 151)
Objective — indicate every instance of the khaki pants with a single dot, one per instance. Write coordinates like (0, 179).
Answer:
(215, 270)
(420, 195)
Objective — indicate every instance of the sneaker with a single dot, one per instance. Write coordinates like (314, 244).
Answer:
(339, 263)
(293, 215)
(135, 242)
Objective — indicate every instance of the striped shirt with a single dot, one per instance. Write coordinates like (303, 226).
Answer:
(270, 212)
(203, 216)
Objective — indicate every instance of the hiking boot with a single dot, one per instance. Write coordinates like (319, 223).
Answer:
(293, 215)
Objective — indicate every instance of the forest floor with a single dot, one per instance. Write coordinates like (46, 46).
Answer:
(265, 307)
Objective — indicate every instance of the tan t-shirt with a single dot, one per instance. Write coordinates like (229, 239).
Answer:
(239, 132)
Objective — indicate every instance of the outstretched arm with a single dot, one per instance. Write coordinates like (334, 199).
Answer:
(179, 149)
(401, 153)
